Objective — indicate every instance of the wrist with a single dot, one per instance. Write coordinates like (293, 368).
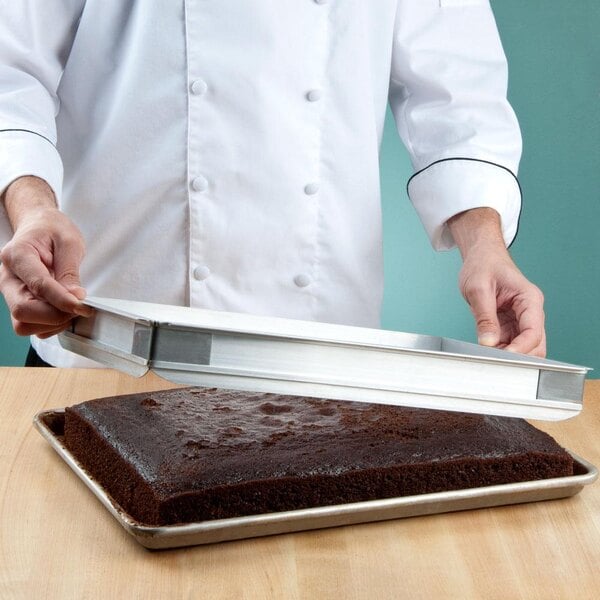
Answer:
(477, 231)
(27, 197)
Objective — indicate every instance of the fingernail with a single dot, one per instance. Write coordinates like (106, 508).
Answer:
(84, 311)
(77, 291)
(488, 339)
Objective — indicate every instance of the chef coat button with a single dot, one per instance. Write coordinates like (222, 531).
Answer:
(311, 188)
(201, 273)
(313, 95)
(198, 87)
(200, 184)
(302, 280)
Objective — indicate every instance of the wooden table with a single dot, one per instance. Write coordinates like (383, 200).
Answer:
(57, 541)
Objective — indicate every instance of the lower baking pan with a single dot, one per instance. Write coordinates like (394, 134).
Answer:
(51, 425)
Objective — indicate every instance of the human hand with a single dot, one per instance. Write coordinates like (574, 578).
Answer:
(508, 309)
(39, 276)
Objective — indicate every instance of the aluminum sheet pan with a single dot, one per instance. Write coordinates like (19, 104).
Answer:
(51, 424)
(267, 354)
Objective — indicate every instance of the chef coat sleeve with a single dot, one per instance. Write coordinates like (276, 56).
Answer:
(448, 96)
(35, 40)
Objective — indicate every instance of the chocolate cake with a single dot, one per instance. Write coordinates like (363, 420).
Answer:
(194, 454)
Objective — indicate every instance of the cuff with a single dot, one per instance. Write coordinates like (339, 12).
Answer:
(452, 185)
(26, 153)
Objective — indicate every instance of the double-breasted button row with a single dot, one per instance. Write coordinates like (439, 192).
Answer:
(199, 183)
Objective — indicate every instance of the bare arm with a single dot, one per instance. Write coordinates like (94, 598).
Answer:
(39, 276)
(508, 309)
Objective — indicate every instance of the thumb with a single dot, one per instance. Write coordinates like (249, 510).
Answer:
(77, 291)
(66, 272)
(484, 309)
(66, 262)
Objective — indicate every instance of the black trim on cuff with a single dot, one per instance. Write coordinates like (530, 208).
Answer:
(489, 162)
(34, 133)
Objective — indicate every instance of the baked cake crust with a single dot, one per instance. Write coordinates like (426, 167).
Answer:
(195, 454)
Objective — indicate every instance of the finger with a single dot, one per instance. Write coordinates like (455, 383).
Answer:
(24, 308)
(66, 263)
(77, 291)
(531, 328)
(482, 300)
(525, 342)
(26, 329)
(25, 263)
(540, 351)
(48, 334)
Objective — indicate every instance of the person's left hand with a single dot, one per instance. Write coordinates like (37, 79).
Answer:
(508, 309)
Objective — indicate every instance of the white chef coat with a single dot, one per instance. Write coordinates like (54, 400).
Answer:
(224, 153)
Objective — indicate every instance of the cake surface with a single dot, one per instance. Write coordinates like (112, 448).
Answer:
(195, 454)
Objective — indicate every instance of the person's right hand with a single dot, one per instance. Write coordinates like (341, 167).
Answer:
(39, 275)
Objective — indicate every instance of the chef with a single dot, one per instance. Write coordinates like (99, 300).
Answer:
(224, 155)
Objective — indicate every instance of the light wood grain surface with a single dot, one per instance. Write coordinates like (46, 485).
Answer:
(57, 541)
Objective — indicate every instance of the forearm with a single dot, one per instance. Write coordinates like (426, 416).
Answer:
(477, 229)
(27, 195)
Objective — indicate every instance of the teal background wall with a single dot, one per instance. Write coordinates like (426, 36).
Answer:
(553, 48)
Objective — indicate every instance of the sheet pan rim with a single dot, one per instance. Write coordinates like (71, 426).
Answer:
(157, 537)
